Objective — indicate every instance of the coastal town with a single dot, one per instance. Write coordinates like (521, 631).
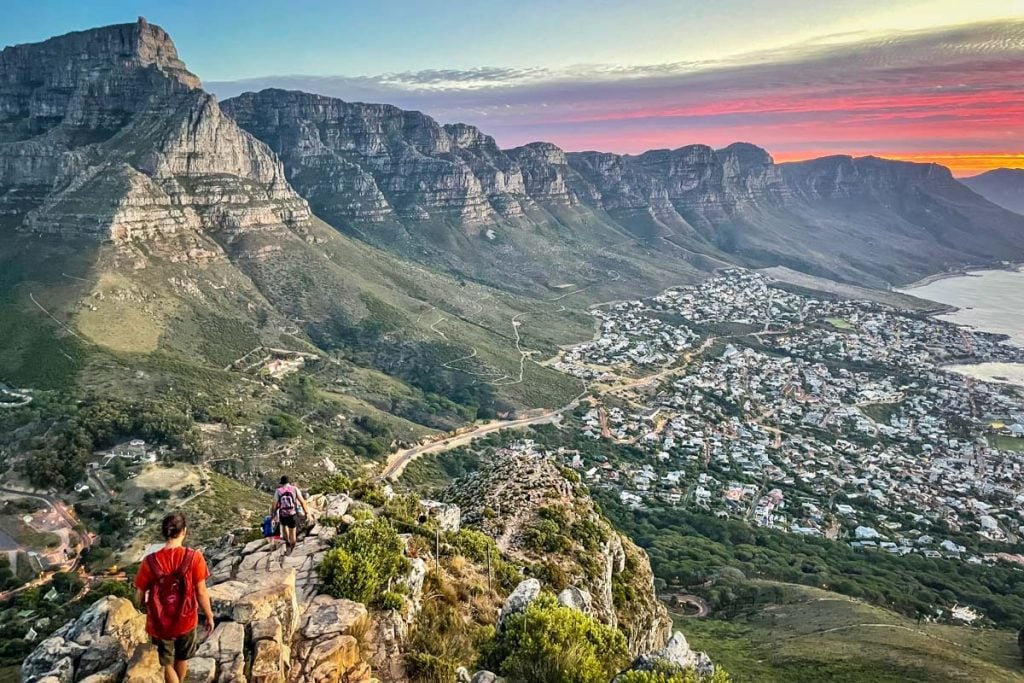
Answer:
(828, 418)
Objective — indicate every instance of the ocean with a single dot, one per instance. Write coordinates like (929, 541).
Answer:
(989, 300)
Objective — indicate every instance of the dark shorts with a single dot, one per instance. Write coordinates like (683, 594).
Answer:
(177, 649)
(288, 521)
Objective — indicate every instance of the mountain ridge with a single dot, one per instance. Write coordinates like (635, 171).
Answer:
(732, 204)
(1002, 186)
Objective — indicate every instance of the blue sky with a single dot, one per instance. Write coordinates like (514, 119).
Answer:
(939, 80)
(232, 39)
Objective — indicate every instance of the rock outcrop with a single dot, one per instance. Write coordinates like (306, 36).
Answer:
(516, 497)
(105, 134)
(272, 625)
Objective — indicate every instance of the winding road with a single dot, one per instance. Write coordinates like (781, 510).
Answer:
(398, 461)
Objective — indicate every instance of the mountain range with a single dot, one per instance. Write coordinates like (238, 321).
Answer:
(392, 176)
(141, 215)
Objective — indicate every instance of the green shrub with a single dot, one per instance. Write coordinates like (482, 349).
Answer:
(365, 560)
(549, 643)
(673, 675)
(285, 426)
(392, 600)
(334, 483)
(427, 668)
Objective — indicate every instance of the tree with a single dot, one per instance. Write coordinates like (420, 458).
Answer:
(549, 643)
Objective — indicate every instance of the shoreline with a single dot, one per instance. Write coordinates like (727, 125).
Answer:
(965, 271)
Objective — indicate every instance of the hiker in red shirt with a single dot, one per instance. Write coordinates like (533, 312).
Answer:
(171, 583)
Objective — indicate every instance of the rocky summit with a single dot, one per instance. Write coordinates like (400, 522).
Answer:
(105, 134)
(540, 515)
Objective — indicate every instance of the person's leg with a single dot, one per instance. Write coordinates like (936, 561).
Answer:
(184, 649)
(165, 651)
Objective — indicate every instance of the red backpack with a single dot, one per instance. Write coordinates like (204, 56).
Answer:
(172, 597)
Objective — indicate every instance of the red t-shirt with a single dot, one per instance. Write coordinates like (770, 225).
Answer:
(168, 560)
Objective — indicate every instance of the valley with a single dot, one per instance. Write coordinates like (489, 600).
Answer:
(700, 346)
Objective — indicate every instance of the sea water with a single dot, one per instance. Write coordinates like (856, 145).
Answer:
(988, 300)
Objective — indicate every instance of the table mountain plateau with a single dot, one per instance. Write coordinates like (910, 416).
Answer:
(393, 177)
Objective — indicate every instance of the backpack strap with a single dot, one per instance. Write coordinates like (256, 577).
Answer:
(154, 566)
(186, 562)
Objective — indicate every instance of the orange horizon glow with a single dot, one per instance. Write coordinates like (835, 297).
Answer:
(962, 165)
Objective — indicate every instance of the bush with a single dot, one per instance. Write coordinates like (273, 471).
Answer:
(549, 643)
(366, 559)
(392, 600)
(347, 576)
(427, 668)
(672, 675)
(285, 426)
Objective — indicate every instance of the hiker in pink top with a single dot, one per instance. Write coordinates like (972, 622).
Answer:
(287, 503)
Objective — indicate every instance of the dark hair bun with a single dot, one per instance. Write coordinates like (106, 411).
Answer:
(173, 525)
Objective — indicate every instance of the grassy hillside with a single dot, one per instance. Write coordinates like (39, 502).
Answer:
(812, 635)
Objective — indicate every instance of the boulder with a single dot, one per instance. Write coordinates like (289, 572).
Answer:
(577, 599)
(112, 616)
(52, 656)
(327, 616)
(144, 666)
(484, 677)
(270, 595)
(111, 675)
(226, 645)
(447, 515)
(253, 546)
(103, 654)
(525, 593)
(201, 670)
(676, 654)
(268, 664)
(414, 579)
(266, 629)
(330, 658)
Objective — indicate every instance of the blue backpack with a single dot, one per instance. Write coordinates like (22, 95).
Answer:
(268, 527)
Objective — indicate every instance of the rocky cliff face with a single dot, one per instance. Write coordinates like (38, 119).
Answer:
(371, 163)
(361, 164)
(105, 134)
(549, 523)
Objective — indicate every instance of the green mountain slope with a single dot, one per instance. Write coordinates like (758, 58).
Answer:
(806, 635)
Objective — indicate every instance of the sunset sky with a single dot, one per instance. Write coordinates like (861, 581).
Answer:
(936, 80)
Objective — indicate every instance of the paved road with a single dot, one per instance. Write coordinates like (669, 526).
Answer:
(694, 601)
(398, 461)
